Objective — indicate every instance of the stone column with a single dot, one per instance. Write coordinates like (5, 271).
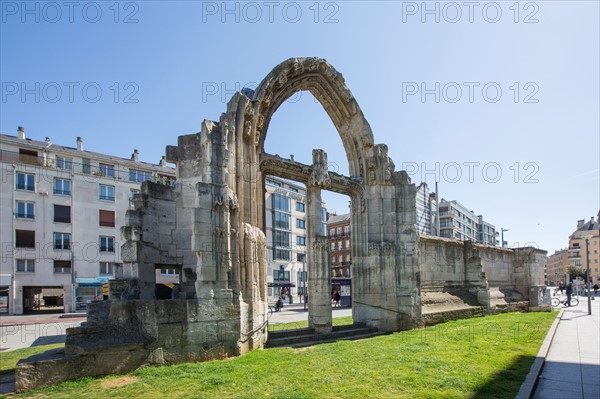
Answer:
(319, 270)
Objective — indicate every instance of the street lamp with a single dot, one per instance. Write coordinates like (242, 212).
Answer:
(502, 235)
(587, 272)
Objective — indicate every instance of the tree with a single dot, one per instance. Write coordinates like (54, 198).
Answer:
(576, 271)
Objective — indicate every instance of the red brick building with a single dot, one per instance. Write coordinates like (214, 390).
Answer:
(338, 231)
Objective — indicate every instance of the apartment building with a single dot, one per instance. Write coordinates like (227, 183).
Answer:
(458, 222)
(580, 255)
(339, 234)
(556, 267)
(426, 211)
(286, 227)
(61, 210)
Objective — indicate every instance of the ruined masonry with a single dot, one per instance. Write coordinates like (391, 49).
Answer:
(210, 227)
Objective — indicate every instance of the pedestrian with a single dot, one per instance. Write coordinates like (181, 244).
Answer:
(569, 292)
(595, 289)
(336, 298)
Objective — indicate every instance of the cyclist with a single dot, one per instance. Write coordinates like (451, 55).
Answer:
(569, 292)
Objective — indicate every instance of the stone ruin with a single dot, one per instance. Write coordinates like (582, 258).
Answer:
(210, 227)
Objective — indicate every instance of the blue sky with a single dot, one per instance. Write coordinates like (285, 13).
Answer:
(523, 150)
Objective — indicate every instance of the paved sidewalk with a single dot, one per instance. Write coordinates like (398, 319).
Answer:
(572, 366)
(18, 320)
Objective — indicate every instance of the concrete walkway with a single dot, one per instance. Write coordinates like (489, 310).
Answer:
(572, 366)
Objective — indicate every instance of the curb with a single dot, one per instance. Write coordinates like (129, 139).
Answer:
(528, 387)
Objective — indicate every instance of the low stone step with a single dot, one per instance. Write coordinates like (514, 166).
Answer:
(290, 333)
(308, 336)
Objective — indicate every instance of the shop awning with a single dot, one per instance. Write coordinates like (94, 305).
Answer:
(91, 281)
(282, 284)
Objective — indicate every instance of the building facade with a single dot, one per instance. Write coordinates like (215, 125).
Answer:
(426, 211)
(286, 224)
(339, 234)
(458, 222)
(556, 267)
(61, 213)
(580, 256)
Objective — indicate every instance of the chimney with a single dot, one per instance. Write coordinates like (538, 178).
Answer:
(134, 156)
(163, 161)
(79, 144)
(580, 223)
(292, 157)
(21, 131)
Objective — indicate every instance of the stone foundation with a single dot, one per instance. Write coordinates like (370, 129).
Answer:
(121, 336)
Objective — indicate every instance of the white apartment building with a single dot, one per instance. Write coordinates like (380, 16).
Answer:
(61, 210)
(458, 222)
(285, 219)
(426, 211)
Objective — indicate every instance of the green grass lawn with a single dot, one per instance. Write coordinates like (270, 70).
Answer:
(485, 357)
(8, 360)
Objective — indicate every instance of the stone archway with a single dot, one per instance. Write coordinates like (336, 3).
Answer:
(383, 214)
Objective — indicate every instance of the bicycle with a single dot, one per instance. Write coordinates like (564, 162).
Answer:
(557, 301)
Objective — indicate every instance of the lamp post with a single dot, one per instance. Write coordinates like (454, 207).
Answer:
(587, 273)
(502, 235)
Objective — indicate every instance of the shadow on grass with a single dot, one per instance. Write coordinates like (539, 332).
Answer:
(505, 383)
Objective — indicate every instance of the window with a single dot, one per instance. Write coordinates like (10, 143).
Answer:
(62, 186)
(25, 210)
(272, 182)
(107, 244)
(169, 272)
(62, 214)
(300, 207)
(281, 275)
(347, 243)
(347, 230)
(281, 239)
(107, 170)
(139, 175)
(62, 266)
(107, 218)
(106, 268)
(25, 181)
(25, 266)
(301, 257)
(339, 231)
(339, 245)
(25, 238)
(62, 241)
(301, 278)
(281, 202)
(64, 163)
(300, 240)
(281, 220)
(282, 254)
(300, 224)
(331, 232)
(333, 245)
(107, 192)
(86, 166)
(132, 194)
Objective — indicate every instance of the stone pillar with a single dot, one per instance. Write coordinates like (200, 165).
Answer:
(319, 270)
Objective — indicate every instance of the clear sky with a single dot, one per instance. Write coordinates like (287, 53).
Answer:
(498, 101)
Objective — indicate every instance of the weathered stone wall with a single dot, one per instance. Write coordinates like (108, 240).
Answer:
(458, 275)
(121, 336)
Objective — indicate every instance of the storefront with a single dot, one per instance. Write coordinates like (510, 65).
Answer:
(344, 286)
(89, 289)
(5, 288)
